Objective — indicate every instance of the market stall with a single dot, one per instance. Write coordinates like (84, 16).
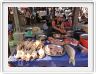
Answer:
(60, 45)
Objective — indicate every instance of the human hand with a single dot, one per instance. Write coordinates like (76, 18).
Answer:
(62, 30)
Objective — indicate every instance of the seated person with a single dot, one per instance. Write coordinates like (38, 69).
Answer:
(56, 25)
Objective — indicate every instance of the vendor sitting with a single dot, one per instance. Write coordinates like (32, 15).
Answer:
(56, 25)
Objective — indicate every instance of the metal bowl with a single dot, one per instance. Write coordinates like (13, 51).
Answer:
(48, 50)
(42, 37)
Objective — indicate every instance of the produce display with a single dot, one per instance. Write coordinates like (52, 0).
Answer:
(28, 50)
(54, 50)
(56, 41)
(58, 45)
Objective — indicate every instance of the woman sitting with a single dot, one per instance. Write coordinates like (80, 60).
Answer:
(56, 25)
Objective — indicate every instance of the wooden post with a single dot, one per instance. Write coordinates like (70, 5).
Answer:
(75, 15)
(16, 19)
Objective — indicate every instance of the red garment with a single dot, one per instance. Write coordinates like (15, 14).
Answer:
(67, 24)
